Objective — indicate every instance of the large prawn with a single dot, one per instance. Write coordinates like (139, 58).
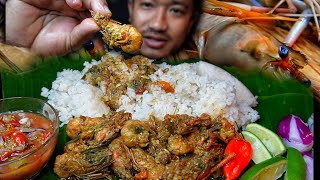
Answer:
(117, 35)
(228, 34)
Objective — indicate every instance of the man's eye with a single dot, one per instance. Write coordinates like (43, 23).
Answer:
(177, 11)
(146, 5)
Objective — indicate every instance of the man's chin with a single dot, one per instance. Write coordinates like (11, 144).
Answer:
(154, 54)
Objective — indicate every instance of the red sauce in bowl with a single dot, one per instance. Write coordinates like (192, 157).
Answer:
(22, 133)
(27, 141)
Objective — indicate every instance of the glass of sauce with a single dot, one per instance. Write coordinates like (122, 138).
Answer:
(28, 135)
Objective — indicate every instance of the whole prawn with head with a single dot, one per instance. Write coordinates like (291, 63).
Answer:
(164, 24)
(248, 37)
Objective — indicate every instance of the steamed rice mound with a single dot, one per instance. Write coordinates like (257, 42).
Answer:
(194, 94)
(73, 97)
(198, 89)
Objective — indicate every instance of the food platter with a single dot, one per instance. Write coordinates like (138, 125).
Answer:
(277, 98)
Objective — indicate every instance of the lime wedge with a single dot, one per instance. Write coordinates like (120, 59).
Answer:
(260, 152)
(296, 165)
(270, 139)
(269, 169)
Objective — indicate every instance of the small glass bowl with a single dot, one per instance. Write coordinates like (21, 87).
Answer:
(30, 165)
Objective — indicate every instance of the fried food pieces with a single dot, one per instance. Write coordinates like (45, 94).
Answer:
(178, 147)
(117, 35)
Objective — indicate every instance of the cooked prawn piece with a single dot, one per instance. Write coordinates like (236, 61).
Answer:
(178, 145)
(146, 165)
(135, 133)
(117, 35)
(112, 127)
(82, 124)
(121, 159)
(84, 163)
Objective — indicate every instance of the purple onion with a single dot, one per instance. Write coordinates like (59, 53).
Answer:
(295, 133)
(309, 161)
(16, 154)
(27, 130)
(19, 148)
(311, 123)
(1, 141)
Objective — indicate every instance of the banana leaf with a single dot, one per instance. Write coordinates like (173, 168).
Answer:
(276, 98)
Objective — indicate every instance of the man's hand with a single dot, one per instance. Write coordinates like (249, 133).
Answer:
(51, 27)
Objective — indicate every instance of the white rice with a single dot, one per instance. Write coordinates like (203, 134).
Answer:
(71, 96)
(196, 92)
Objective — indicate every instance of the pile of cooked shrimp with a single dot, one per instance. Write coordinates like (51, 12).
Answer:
(177, 147)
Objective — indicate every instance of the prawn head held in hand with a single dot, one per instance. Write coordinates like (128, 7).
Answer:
(118, 35)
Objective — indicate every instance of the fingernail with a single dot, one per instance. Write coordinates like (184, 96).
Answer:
(106, 8)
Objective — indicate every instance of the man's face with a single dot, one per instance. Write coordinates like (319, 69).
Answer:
(164, 24)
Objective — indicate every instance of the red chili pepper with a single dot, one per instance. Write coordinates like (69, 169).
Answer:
(140, 90)
(46, 135)
(14, 123)
(141, 175)
(129, 63)
(8, 133)
(19, 138)
(2, 123)
(243, 151)
(166, 86)
(5, 155)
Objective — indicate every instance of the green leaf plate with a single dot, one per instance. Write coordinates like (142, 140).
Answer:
(276, 98)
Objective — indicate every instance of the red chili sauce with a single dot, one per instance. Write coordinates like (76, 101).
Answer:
(21, 133)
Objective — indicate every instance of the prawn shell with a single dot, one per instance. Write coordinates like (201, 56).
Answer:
(135, 133)
(135, 41)
(117, 35)
(228, 41)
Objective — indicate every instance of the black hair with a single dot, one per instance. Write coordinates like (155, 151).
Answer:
(197, 6)
(197, 10)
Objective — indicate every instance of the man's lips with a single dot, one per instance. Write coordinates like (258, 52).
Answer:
(155, 42)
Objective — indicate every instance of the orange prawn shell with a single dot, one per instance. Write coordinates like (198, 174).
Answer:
(118, 35)
(135, 41)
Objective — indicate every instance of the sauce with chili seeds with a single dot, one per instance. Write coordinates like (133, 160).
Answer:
(21, 133)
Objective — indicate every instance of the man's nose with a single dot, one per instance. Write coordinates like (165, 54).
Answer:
(159, 22)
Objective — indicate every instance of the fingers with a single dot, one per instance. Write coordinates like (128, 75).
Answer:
(95, 5)
(75, 4)
(82, 33)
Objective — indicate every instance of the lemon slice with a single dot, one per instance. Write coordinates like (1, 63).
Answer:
(270, 139)
(269, 169)
(260, 152)
(296, 165)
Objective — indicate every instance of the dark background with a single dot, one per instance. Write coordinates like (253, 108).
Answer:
(119, 9)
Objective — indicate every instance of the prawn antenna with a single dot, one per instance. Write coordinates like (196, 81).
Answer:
(239, 129)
